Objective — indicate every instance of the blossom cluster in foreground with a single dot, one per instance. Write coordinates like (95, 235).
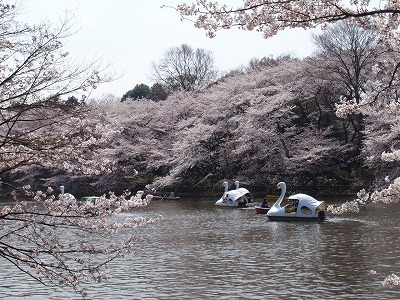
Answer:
(391, 280)
(63, 241)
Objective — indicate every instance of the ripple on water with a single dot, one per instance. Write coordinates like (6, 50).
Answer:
(199, 252)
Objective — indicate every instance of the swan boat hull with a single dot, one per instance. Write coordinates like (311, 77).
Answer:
(282, 218)
(239, 205)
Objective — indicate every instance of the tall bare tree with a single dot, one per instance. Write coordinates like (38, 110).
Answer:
(184, 68)
(348, 52)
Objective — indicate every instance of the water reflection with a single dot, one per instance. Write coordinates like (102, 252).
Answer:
(198, 251)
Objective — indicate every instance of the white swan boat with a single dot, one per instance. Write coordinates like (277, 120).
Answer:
(240, 197)
(298, 207)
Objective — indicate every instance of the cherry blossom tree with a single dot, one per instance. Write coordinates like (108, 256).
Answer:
(273, 16)
(256, 124)
(270, 17)
(36, 72)
(51, 237)
(379, 19)
(142, 143)
(283, 134)
(245, 125)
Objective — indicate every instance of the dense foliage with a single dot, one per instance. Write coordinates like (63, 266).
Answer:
(143, 91)
(140, 91)
(259, 125)
(274, 119)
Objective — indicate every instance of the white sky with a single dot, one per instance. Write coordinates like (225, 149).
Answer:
(134, 33)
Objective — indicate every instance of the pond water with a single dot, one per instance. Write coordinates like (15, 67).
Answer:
(198, 251)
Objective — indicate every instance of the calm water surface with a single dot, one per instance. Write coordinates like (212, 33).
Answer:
(201, 252)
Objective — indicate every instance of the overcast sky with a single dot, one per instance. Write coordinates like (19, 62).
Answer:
(134, 33)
